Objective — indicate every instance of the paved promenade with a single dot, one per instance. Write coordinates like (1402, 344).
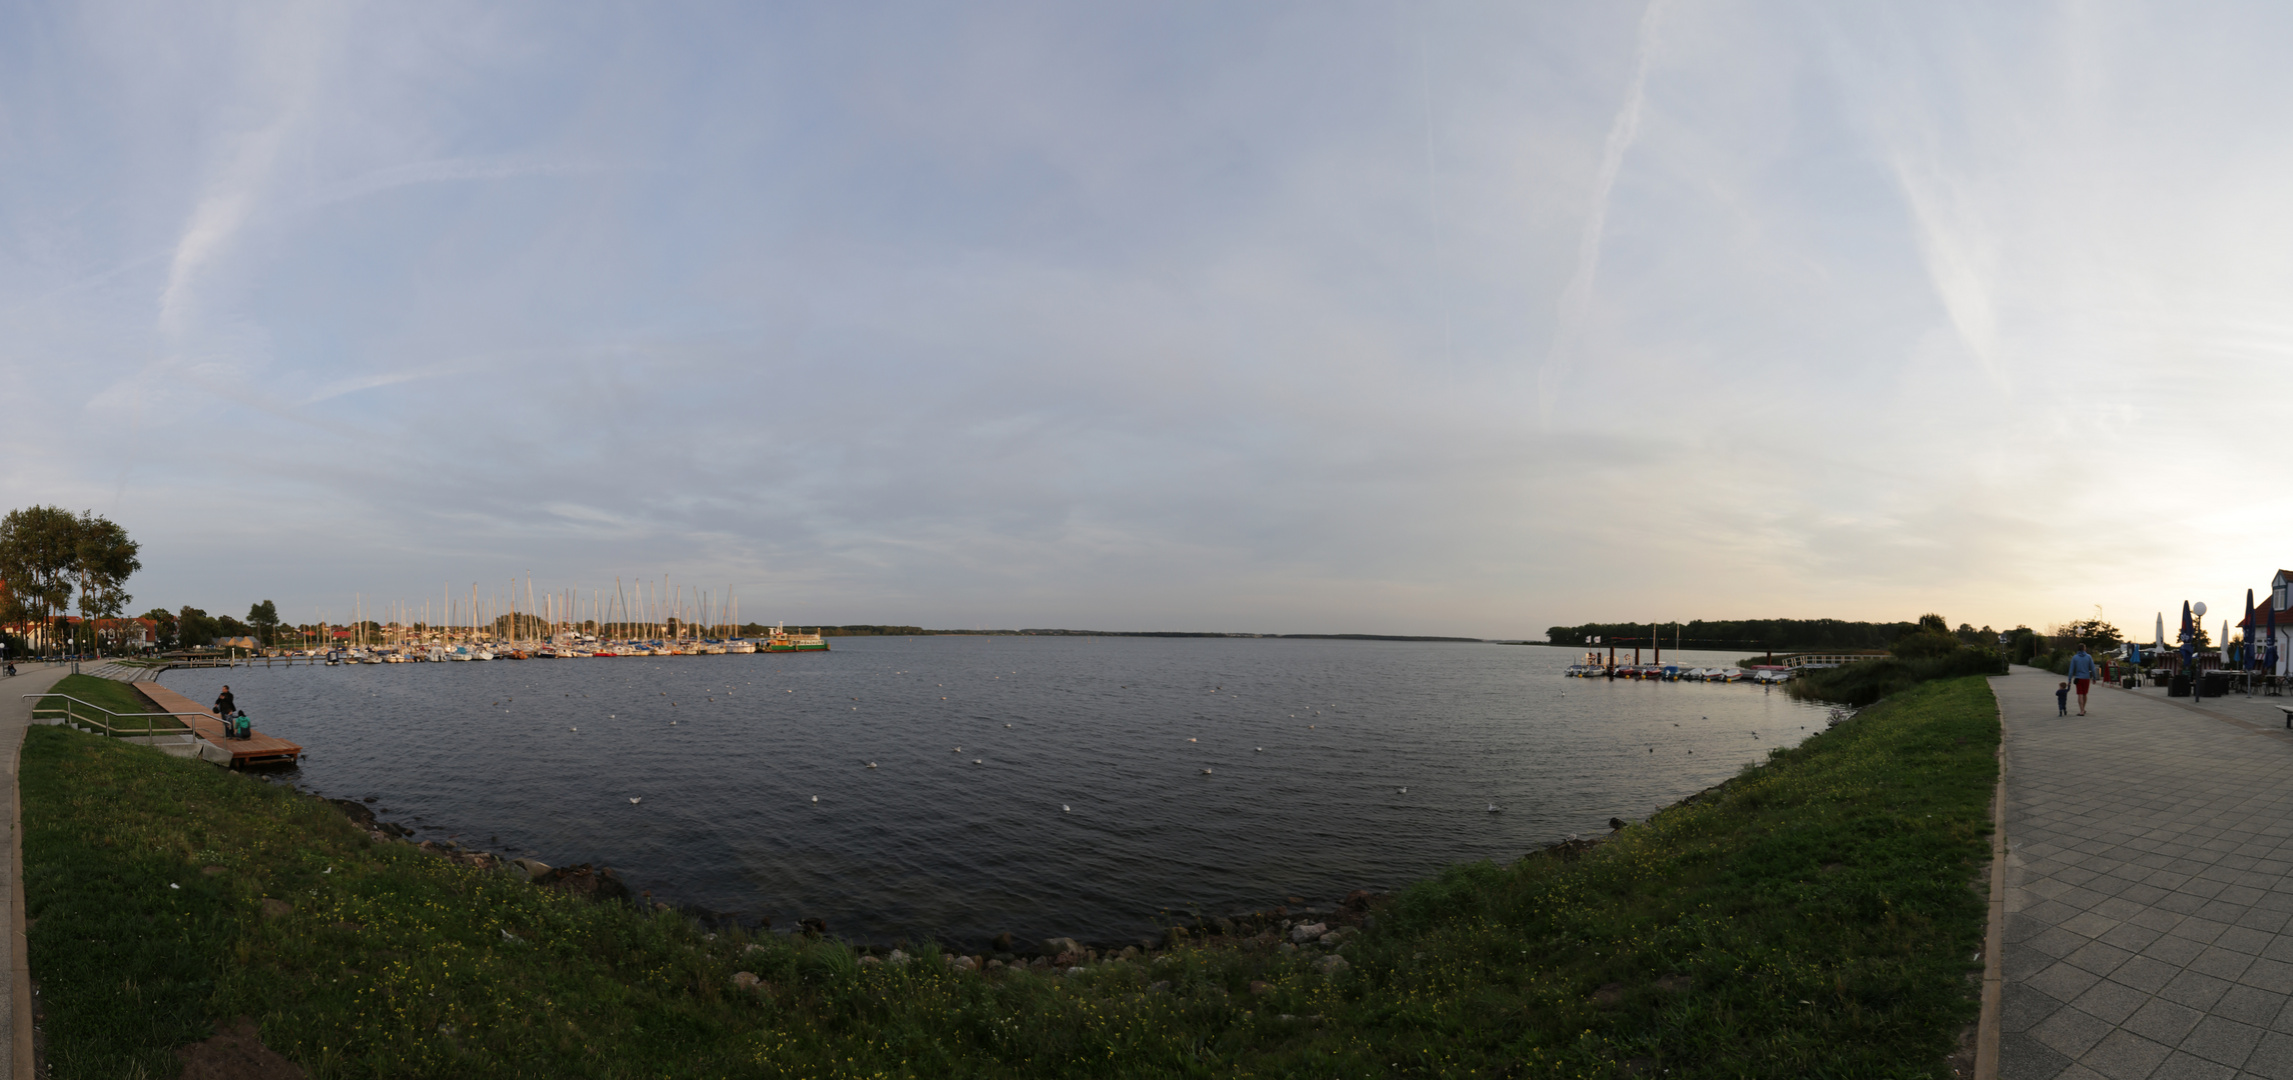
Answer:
(2149, 928)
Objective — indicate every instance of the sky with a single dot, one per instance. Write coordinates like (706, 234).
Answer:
(1421, 317)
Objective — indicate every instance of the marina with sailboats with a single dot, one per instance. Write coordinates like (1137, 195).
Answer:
(637, 619)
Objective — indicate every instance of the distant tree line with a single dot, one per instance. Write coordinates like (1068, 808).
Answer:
(1798, 634)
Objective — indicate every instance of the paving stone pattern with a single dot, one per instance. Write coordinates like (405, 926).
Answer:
(2149, 927)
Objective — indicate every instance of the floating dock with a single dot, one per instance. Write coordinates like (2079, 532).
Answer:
(256, 749)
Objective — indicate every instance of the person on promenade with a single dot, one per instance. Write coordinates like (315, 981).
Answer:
(2082, 672)
(2062, 700)
(225, 705)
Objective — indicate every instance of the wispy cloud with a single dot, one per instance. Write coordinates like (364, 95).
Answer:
(1576, 298)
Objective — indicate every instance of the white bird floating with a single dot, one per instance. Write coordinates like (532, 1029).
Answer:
(871, 764)
(816, 798)
(573, 729)
(1194, 740)
(1259, 749)
(1064, 809)
(977, 761)
(1495, 809)
(1006, 725)
(636, 800)
(1206, 772)
(1401, 791)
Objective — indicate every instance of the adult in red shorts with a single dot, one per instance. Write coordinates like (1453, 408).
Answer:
(2082, 675)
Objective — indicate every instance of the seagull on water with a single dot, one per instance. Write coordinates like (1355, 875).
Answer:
(871, 764)
(977, 761)
(638, 799)
(816, 798)
(1401, 791)
(1206, 772)
(1063, 808)
(1495, 809)
(1194, 740)
(1259, 749)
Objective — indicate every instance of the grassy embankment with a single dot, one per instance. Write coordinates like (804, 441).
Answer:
(110, 694)
(1814, 917)
(1916, 658)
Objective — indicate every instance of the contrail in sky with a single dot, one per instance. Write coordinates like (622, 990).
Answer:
(1568, 325)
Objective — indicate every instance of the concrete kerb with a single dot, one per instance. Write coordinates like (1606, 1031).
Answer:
(1994, 936)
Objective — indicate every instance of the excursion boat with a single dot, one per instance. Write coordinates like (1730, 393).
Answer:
(781, 641)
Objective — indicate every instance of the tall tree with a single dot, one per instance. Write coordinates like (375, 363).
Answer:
(103, 559)
(39, 551)
(264, 617)
(195, 627)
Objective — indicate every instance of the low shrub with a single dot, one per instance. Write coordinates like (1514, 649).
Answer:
(1861, 683)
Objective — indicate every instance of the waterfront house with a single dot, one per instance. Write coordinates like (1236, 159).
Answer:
(2281, 600)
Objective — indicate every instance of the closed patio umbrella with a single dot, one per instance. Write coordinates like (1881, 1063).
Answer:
(2268, 650)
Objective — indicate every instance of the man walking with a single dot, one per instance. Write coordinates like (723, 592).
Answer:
(2082, 676)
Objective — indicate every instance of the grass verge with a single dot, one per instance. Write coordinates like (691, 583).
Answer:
(1814, 917)
(110, 694)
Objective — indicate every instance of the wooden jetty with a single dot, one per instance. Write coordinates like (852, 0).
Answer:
(256, 749)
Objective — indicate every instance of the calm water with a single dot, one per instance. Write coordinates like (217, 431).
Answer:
(1308, 745)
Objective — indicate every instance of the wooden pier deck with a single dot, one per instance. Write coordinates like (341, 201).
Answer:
(256, 749)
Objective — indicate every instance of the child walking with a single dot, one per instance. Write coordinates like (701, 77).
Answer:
(2062, 700)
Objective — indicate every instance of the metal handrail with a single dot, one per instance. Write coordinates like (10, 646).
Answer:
(109, 729)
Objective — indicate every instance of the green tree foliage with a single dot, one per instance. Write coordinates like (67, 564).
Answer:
(1925, 644)
(1779, 634)
(2092, 633)
(195, 628)
(264, 617)
(38, 549)
(103, 558)
(164, 633)
(1934, 624)
(46, 554)
(2023, 643)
